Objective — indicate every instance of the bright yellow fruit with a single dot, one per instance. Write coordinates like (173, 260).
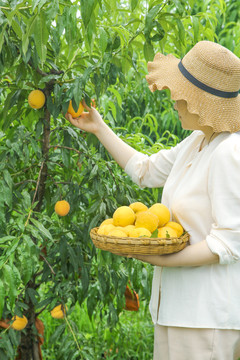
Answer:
(162, 213)
(59, 312)
(73, 112)
(124, 216)
(122, 228)
(117, 233)
(19, 323)
(138, 206)
(147, 220)
(62, 207)
(105, 229)
(138, 232)
(166, 232)
(107, 221)
(36, 99)
(175, 226)
(128, 228)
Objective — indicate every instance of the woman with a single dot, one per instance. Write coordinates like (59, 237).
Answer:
(198, 316)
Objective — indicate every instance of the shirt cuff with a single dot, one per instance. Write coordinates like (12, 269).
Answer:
(218, 247)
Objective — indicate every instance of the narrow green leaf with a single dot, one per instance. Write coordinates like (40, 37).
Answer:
(9, 279)
(195, 22)
(8, 196)
(73, 258)
(6, 238)
(41, 36)
(17, 29)
(148, 51)
(34, 4)
(117, 94)
(33, 295)
(181, 31)
(84, 279)
(2, 36)
(28, 33)
(150, 16)
(77, 93)
(154, 234)
(2, 297)
(41, 3)
(7, 178)
(42, 228)
(87, 8)
(133, 4)
(10, 251)
(103, 40)
(26, 268)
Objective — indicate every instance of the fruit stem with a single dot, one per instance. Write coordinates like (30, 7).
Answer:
(73, 334)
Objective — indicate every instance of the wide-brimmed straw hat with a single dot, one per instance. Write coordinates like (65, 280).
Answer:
(207, 78)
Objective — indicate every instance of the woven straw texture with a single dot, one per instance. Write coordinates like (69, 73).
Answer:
(143, 246)
(215, 66)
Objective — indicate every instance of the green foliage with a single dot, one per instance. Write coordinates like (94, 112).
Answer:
(72, 50)
(133, 335)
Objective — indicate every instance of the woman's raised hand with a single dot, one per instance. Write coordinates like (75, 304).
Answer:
(89, 121)
(92, 122)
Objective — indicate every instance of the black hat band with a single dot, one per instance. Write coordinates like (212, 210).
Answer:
(204, 87)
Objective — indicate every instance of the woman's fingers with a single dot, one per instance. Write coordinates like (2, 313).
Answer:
(85, 105)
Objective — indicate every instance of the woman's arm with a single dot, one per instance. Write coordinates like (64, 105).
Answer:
(193, 255)
(92, 121)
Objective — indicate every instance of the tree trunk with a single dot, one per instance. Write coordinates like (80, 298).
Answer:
(29, 348)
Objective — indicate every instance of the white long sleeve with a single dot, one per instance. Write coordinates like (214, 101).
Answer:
(201, 189)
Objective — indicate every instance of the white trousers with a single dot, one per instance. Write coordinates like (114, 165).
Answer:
(178, 343)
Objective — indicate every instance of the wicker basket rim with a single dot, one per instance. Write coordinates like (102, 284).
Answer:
(183, 238)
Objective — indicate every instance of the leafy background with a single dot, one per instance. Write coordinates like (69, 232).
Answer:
(96, 49)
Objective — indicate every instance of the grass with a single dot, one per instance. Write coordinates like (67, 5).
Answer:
(91, 339)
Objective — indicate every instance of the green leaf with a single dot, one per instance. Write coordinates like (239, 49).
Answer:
(26, 268)
(154, 234)
(2, 297)
(9, 279)
(181, 31)
(133, 4)
(77, 93)
(7, 195)
(148, 51)
(34, 4)
(84, 279)
(28, 33)
(7, 178)
(103, 40)
(117, 94)
(41, 3)
(150, 16)
(42, 228)
(6, 238)
(2, 36)
(87, 8)
(17, 28)
(73, 258)
(41, 36)
(33, 295)
(195, 22)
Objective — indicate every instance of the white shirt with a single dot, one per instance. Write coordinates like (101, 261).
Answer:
(202, 191)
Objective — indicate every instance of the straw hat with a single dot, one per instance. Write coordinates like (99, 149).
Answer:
(208, 78)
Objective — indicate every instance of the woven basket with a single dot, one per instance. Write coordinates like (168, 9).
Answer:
(142, 245)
